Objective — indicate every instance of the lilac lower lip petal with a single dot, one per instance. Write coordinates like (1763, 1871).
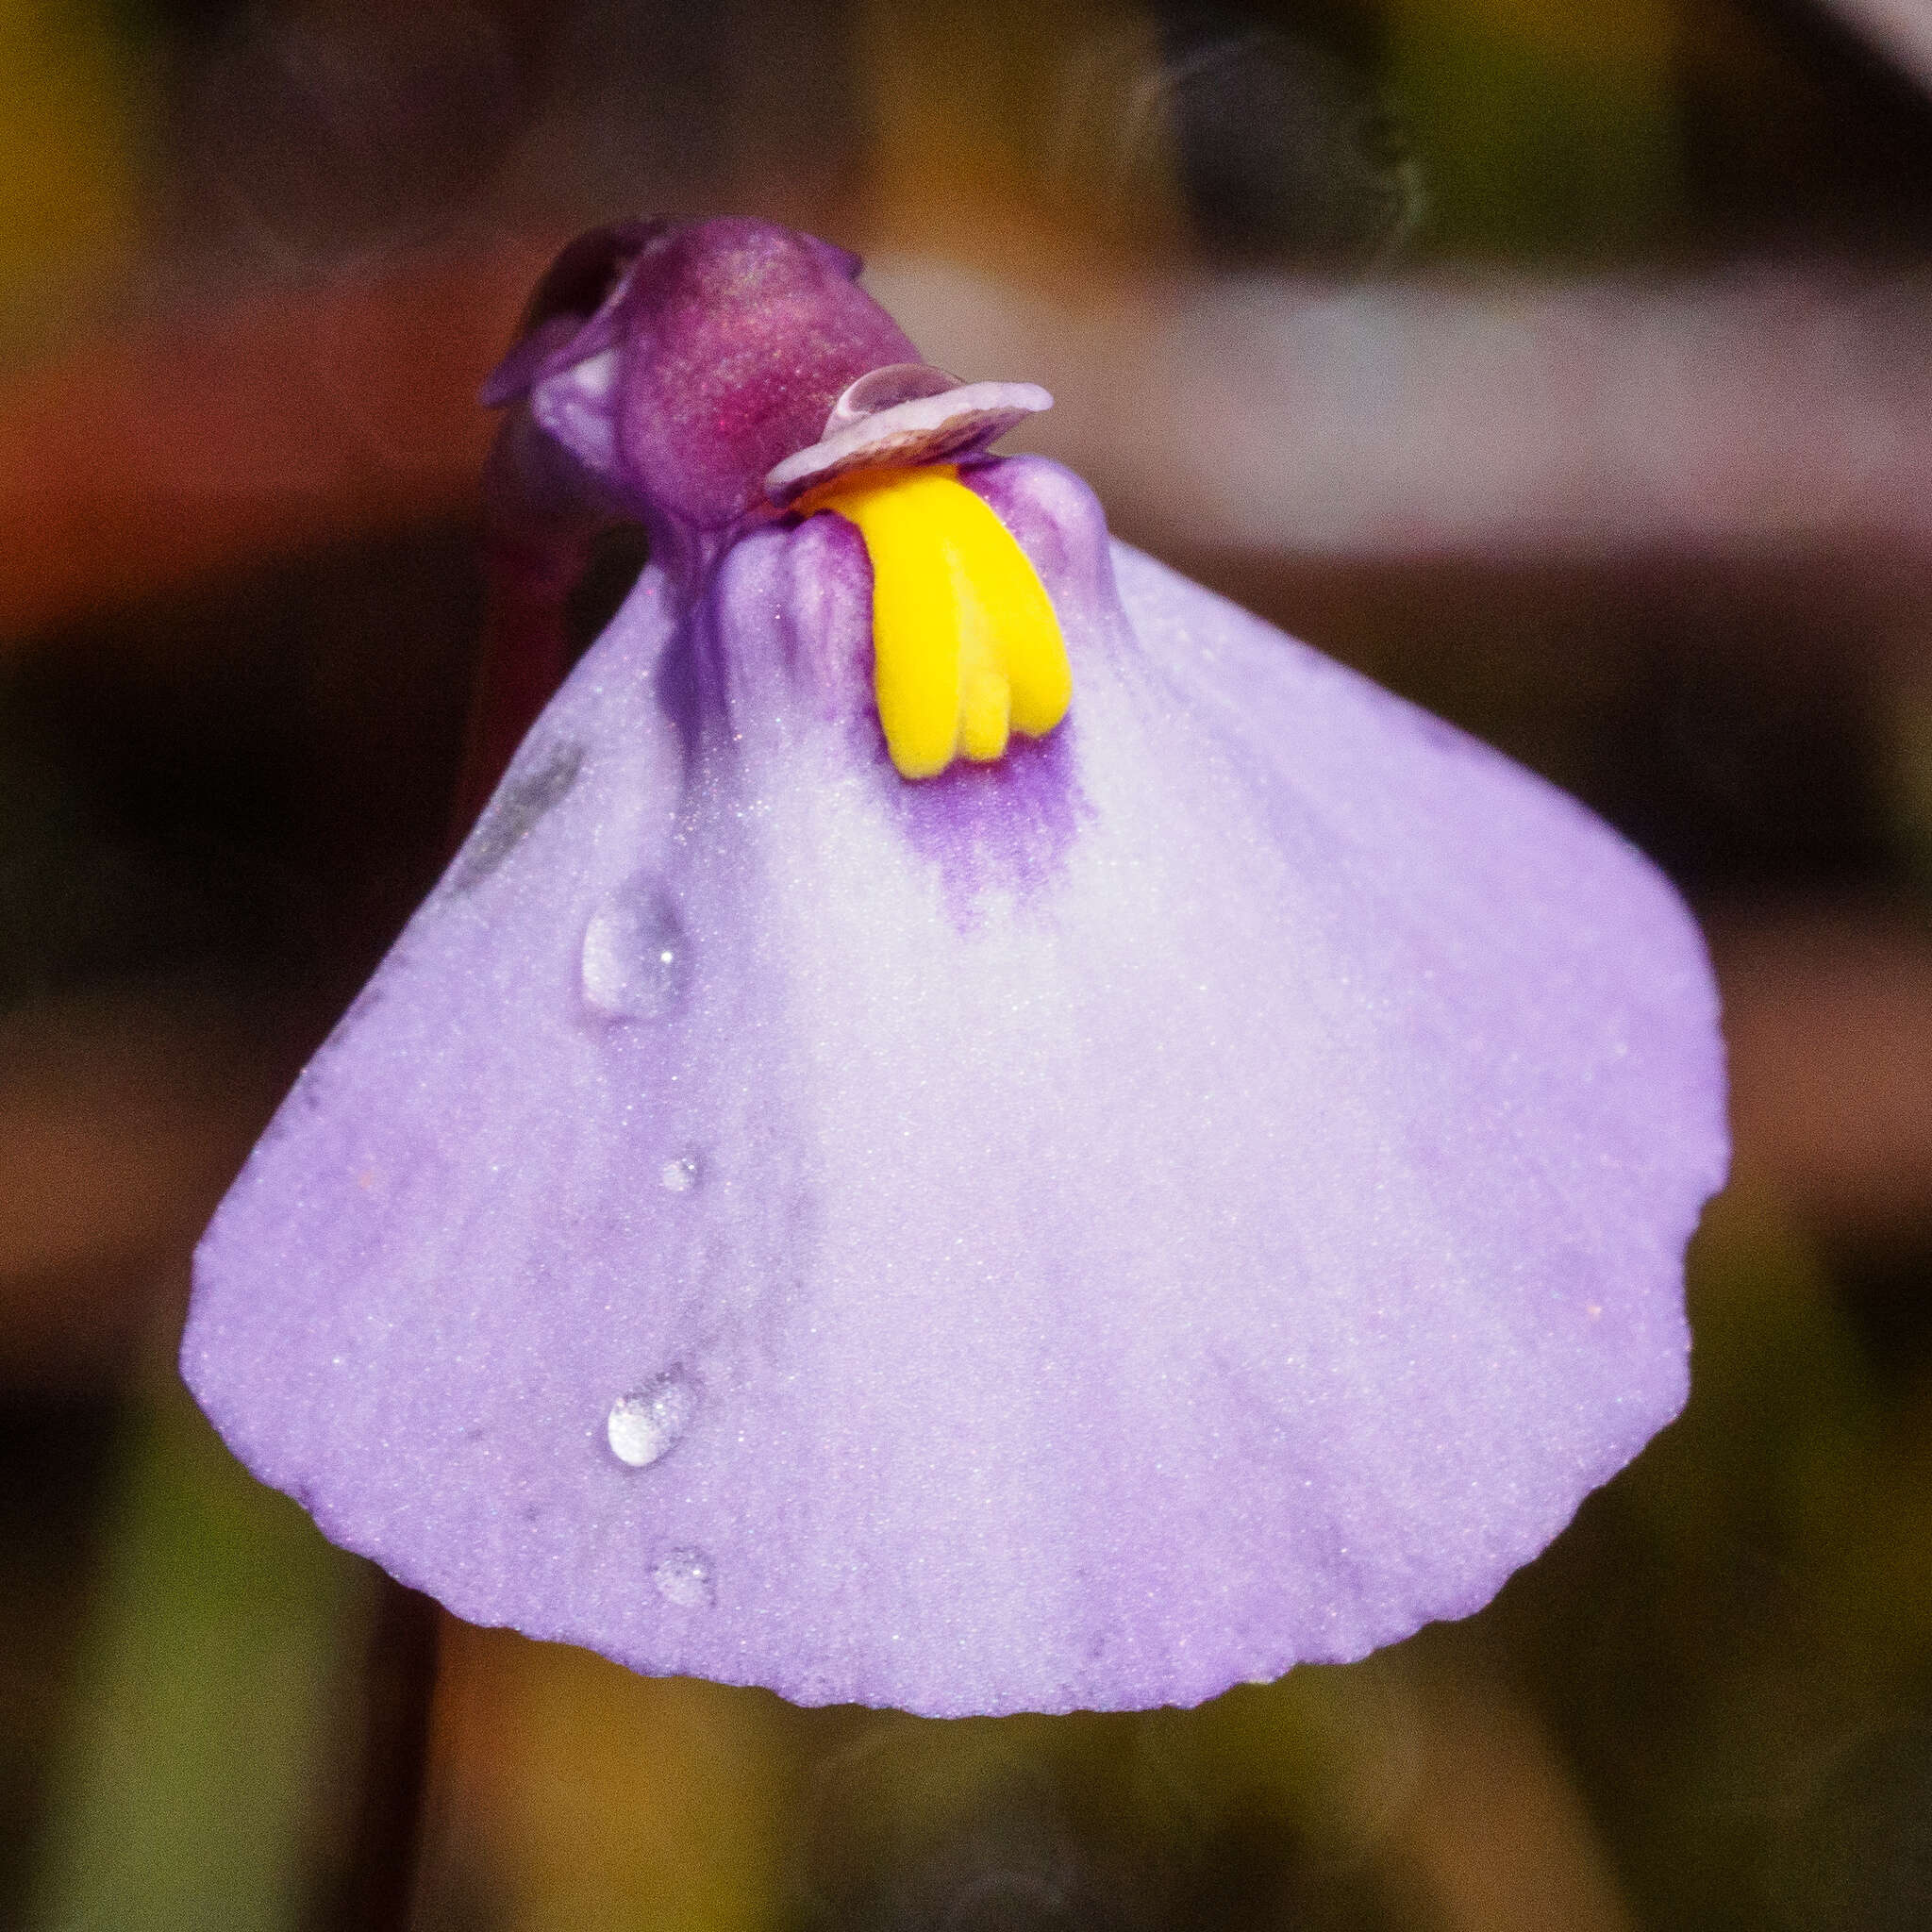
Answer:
(1205, 1192)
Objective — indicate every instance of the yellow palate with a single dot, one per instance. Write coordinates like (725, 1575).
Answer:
(965, 644)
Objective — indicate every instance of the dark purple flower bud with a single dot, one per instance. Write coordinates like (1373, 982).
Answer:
(679, 363)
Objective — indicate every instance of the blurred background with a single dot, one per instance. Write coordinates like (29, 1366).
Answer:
(1566, 368)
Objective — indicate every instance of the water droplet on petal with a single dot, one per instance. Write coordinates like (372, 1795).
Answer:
(681, 1176)
(637, 956)
(647, 1425)
(885, 388)
(684, 1577)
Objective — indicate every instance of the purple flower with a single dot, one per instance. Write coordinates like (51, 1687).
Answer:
(1202, 1190)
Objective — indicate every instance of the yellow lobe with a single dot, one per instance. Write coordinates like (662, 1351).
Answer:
(965, 644)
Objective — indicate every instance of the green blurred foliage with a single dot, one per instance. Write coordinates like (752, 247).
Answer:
(1541, 128)
(207, 1753)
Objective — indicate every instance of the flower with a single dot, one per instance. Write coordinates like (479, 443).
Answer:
(1199, 1188)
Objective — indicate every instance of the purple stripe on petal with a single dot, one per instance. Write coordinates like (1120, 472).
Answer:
(998, 827)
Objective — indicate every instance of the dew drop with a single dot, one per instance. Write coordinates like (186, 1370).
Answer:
(684, 1577)
(637, 956)
(681, 1176)
(883, 389)
(645, 1427)
(515, 812)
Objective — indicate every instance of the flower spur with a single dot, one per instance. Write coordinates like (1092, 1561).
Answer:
(929, 1217)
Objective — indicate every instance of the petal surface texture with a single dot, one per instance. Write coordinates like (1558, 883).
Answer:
(1204, 1193)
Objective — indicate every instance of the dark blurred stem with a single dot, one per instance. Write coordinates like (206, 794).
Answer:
(399, 1691)
(524, 654)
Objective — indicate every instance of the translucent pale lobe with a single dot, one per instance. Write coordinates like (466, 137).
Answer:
(1206, 1192)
